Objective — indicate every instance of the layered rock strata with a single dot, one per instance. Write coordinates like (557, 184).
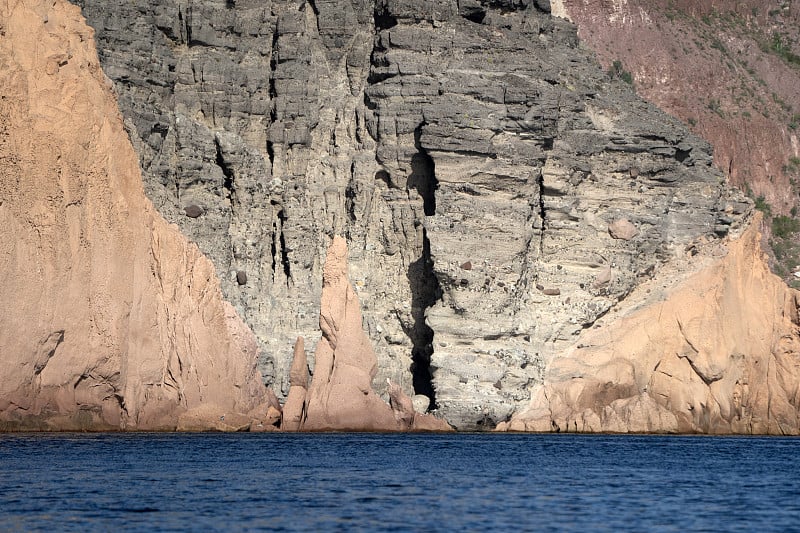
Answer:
(477, 160)
(112, 319)
(715, 352)
(728, 68)
(340, 396)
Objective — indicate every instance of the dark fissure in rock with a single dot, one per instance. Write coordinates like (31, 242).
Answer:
(350, 194)
(383, 19)
(425, 292)
(423, 175)
(273, 95)
(284, 252)
(228, 182)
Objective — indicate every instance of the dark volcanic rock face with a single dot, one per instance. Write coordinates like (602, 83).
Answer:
(433, 135)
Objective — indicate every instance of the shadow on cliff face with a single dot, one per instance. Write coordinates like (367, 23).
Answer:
(425, 289)
(423, 176)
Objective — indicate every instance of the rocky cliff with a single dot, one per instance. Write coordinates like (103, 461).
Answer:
(499, 192)
(726, 67)
(710, 345)
(729, 69)
(111, 318)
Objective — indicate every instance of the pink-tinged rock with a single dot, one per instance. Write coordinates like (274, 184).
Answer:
(118, 321)
(294, 408)
(622, 229)
(718, 352)
(340, 396)
(408, 418)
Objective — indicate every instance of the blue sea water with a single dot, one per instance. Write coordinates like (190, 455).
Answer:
(377, 482)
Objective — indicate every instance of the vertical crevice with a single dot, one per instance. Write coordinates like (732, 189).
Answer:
(350, 194)
(423, 175)
(273, 95)
(425, 292)
(284, 251)
(228, 180)
(425, 288)
(542, 218)
(188, 25)
(274, 249)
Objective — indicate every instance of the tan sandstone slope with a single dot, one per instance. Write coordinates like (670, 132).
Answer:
(718, 352)
(110, 318)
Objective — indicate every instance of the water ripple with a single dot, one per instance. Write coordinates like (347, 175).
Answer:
(269, 482)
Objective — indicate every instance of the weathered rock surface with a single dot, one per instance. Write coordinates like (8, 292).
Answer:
(725, 67)
(340, 396)
(433, 135)
(715, 352)
(294, 409)
(112, 319)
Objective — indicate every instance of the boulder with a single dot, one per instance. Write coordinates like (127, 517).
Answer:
(622, 229)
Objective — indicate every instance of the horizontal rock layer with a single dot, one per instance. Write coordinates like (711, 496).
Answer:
(499, 193)
(112, 319)
(724, 67)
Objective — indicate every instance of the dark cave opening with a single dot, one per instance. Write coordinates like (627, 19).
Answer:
(383, 19)
(425, 292)
(228, 180)
(475, 15)
(423, 175)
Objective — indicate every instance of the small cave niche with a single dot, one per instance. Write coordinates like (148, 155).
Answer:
(475, 14)
(423, 175)
(383, 19)
(383, 175)
(682, 155)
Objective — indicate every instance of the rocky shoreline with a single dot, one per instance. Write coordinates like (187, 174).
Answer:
(515, 228)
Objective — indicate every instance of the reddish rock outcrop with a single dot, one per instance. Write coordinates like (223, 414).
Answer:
(724, 67)
(340, 396)
(112, 320)
(295, 406)
(715, 352)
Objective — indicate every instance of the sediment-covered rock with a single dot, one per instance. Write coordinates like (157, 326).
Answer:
(717, 351)
(112, 319)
